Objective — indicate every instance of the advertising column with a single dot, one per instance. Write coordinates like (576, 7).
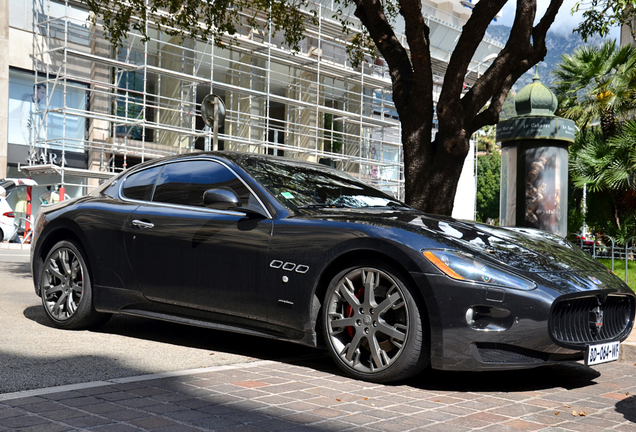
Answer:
(534, 162)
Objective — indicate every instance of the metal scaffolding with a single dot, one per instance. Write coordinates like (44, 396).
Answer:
(121, 108)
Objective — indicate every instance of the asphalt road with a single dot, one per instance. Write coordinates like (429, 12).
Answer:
(33, 354)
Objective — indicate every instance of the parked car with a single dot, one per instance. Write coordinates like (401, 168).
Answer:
(8, 228)
(592, 246)
(581, 240)
(290, 250)
(8, 224)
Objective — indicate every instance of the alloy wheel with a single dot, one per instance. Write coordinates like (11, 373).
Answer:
(63, 283)
(367, 320)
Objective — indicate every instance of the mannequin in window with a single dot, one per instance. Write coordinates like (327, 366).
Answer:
(51, 196)
(375, 172)
(30, 118)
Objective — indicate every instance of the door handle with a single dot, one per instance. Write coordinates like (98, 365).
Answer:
(141, 224)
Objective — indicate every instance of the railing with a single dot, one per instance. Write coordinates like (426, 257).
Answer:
(604, 247)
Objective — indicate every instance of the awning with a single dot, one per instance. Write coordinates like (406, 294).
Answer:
(49, 169)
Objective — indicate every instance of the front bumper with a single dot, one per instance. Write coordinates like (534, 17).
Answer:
(474, 327)
(8, 231)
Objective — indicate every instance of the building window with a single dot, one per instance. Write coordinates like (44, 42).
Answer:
(129, 102)
(31, 122)
(53, 17)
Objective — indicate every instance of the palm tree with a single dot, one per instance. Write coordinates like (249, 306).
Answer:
(597, 83)
(608, 167)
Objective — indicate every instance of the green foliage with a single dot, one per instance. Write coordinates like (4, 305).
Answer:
(607, 168)
(576, 212)
(488, 183)
(605, 164)
(600, 16)
(624, 232)
(202, 19)
(597, 83)
(619, 269)
(486, 139)
(576, 218)
(606, 215)
(215, 19)
(361, 46)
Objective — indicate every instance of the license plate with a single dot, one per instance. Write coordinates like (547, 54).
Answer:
(602, 353)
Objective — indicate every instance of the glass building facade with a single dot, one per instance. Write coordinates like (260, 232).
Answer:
(82, 107)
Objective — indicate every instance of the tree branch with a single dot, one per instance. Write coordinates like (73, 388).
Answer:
(524, 49)
(472, 34)
(371, 14)
(517, 48)
(417, 36)
(540, 30)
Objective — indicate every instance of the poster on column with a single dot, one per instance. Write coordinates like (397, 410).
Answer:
(545, 186)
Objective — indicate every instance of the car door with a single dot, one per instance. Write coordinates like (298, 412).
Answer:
(186, 254)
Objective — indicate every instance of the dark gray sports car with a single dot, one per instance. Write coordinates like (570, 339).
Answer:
(296, 251)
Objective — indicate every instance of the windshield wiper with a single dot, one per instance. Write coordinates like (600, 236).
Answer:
(394, 205)
(321, 205)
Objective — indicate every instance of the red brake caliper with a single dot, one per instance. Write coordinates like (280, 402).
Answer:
(349, 313)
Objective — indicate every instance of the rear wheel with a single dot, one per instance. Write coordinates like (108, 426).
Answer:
(372, 324)
(66, 289)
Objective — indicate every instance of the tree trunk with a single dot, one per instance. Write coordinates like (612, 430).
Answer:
(431, 173)
(432, 167)
(608, 122)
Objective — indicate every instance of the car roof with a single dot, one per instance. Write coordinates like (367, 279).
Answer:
(241, 159)
(10, 183)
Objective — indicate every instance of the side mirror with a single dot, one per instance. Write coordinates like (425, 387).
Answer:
(221, 199)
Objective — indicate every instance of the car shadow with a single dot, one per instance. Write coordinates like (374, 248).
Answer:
(17, 268)
(190, 336)
(568, 376)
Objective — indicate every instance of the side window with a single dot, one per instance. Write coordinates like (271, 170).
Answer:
(185, 182)
(138, 186)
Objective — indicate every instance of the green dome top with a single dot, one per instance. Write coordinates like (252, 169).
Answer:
(536, 99)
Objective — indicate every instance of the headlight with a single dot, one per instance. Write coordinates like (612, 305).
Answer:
(463, 267)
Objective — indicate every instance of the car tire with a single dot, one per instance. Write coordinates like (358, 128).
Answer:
(379, 338)
(66, 291)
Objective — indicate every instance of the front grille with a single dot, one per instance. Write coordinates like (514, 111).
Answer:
(574, 321)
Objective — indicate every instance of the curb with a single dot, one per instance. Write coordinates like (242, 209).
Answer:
(132, 379)
(15, 246)
(628, 353)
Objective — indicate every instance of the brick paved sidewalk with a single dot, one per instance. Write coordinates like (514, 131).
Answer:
(312, 396)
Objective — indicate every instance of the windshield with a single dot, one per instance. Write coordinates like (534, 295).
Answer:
(7, 185)
(304, 186)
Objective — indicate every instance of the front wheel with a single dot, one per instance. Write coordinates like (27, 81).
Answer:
(66, 289)
(372, 325)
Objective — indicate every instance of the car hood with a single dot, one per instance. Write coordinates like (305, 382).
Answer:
(526, 250)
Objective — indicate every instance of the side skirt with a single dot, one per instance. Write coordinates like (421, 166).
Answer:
(133, 303)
